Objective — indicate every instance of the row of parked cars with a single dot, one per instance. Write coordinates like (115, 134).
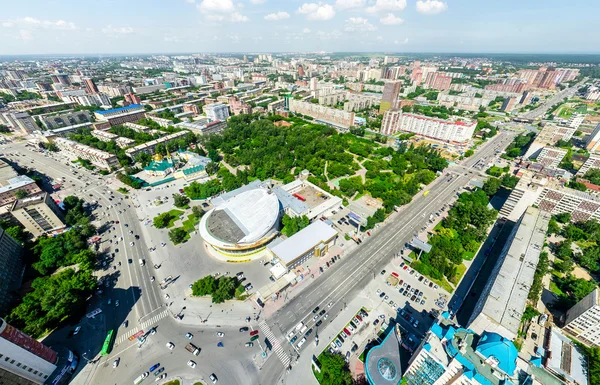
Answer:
(350, 328)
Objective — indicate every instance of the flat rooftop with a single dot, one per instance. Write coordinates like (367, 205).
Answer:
(303, 241)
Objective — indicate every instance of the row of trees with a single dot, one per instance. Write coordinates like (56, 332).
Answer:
(519, 145)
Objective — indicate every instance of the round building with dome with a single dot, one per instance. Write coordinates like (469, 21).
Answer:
(242, 222)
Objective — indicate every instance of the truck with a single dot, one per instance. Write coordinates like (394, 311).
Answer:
(192, 349)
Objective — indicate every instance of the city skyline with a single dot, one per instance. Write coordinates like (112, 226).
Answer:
(402, 26)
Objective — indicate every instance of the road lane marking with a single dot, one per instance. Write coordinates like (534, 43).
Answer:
(283, 357)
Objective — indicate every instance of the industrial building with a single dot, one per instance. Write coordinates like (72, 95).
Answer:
(39, 214)
(582, 321)
(503, 299)
(312, 241)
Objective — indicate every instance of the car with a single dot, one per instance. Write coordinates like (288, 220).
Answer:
(359, 318)
(309, 332)
(154, 367)
(382, 295)
(401, 282)
(322, 312)
(161, 377)
(110, 301)
(116, 362)
(354, 348)
(376, 322)
(153, 331)
(382, 272)
(244, 329)
(316, 309)
(302, 341)
(347, 356)
(315, 317)
(347, 332)
(405, 267)
(319, 322)
(249, 344)
(117, 303)
(213, 378)
(170, 345)
(271, 278)
(220, 334)
(189, 336)
(248, 287)
(378, 291)
(386, 297)
(338, 343)
(191, 364)
(294, 338)
(401, 290)
(326, 315)
(77, 329)
(415, 323)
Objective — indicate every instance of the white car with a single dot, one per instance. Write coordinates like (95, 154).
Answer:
(130, 243)
(189, 336)
(116, 362)
(117, 303)
(213, 378)
(191, 364)
(220, 334)
(302, 341)
(170, 345)
(77, 329)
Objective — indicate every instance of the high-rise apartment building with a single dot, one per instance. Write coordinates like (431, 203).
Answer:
(90, 86)
(11, 269)
(438, 81)
(582, 321)
(503, 300)
(39, 214)
(132, 98)
(389, 101)
(23, 360)
(592, 142)
(508, 104)
(446, 130)
(575, 120)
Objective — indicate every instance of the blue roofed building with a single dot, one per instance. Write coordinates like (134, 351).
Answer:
(450, 354)
(116, 116)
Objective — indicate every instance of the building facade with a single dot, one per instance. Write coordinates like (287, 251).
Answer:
(11, 269)
(118, 116)
(217, 111)
(391, 90)
(451, 131)
(39, 214)
(324, 114)
(23, 360)
(551, 156)
(99, 158)
(582, 321)
(10, 187)
(592, 142)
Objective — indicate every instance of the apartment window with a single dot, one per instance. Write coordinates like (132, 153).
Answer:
(18, 364)
(29, 370)
(12, 362)
(35, 372)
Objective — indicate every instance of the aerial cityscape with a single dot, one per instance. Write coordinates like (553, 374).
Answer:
(260, 192)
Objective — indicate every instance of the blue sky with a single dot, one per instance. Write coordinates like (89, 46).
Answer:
(148, 26)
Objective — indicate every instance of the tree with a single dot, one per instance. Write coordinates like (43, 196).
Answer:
(491, 186)
(529, 313)
(178, 235)
(212, 168)
(509, 181)
(225, 290)
(334, 370)
(180, 201)
(20, 194)
(204, 286)
(575, 185)
(17, 233)
(197, 211)
(563, 217)
(593, 355)
(214, 155)
(292, 225)
(162, 220)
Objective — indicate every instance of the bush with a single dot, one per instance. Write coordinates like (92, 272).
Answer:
(178, 235)
(180, 201)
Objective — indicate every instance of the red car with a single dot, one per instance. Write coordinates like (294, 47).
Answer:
(181, 191)
(117, 222)
(254, 332)
(401, 282)
(405, 267)
(347, 332)
(395, 274)
(359, 317)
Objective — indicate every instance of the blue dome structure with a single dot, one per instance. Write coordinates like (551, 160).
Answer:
(501, 349)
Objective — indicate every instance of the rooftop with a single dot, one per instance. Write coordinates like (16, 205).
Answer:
(304, 240)
(14, 183)
(120, 109)
(382, 364)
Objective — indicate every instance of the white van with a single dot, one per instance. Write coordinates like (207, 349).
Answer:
(299, 326)
(302, 341)
(142, 263)
(303, 329)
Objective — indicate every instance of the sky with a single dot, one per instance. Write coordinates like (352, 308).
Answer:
(175, 26)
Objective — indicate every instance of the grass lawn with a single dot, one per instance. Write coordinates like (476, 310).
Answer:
(468, 255)
(199, 383)
(460, 271)
(443, 284)
(555, 289)
(174, 382)
(123, 190)
(190, 224)
(240, 293)
(175, 214)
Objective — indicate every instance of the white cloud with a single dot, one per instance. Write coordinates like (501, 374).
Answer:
(431, 7)
(390, 19)
(237, 17)
(329, 35)
(277, 16)
(387, 5)
(29, 23)
(314, 11)
(379, 37)
(234, 38)
(306, 30)
(221, 10)
(171, 39)
(190, 1)
(25, 34)
(348, 4)
(256, 2)
(110, 30)
(405, 41)
(358, 24)
(216, 6)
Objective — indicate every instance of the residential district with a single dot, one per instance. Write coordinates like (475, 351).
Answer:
(300, 219)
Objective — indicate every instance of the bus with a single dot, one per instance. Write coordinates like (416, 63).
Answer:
(108, 342)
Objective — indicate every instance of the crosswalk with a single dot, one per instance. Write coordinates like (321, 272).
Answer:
(143, 326)
(285, 359)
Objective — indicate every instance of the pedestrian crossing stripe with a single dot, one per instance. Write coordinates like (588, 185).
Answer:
(283, 357)
(145, 325)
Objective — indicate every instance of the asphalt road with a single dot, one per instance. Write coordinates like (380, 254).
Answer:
(349, 276)
(558, 97)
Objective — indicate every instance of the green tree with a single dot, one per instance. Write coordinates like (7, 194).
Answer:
(491, 186)
(214, 155)
(593, 356)
(563, 217)
(162, 220)
(292, 225)
(334, 370)
(180, 201)
(225, 290)
(20, 194)
(529, 313)
(212, 168)
(204, 286)
(575, 185)
(197, 211)
(17, 233)
(178, 235)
